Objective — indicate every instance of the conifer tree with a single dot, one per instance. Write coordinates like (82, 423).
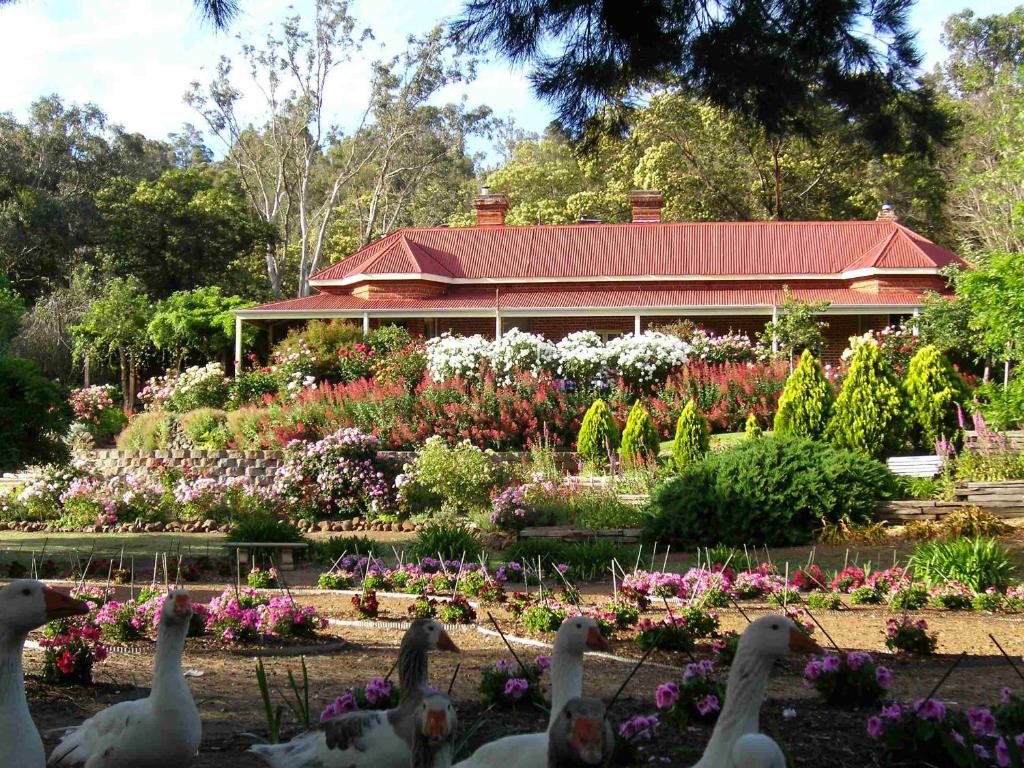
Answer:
(806, 401)
(870, 414)
(639, 438)
(693, 438)
(752, 428)
(598, 435)
(933, 392)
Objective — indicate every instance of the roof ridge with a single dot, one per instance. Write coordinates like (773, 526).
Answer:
(419, 253)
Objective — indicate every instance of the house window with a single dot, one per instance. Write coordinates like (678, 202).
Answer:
(607, 336)
(508, 323)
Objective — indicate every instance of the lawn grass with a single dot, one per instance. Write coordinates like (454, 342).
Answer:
(719, 442)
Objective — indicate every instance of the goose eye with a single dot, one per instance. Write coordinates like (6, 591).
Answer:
(579, 626)
(775, 626)
(26, 591)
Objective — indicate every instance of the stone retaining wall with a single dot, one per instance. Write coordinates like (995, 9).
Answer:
(1014, 437)
(1002, 499)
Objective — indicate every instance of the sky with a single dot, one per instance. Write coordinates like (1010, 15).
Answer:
(136, 58)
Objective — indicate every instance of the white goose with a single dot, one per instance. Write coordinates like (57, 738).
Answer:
(581, 736)
(577, 635)
(25, 604)
(736, 741)
(160, 731)
(369, 739)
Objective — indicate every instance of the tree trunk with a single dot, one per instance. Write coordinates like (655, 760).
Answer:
(124, 379)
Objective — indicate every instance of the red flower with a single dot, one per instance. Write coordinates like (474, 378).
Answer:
(66, 663)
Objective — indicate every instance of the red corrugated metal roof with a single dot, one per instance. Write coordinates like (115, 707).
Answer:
(640, 250)
(597, 299)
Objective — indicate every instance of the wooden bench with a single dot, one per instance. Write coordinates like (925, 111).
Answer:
(286, 561)
(915, 466)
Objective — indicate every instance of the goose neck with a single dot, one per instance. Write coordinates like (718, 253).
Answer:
(426, 756)
(745, 691)
(566, 680)
(168, 679)
(12, 675)
(412, 669)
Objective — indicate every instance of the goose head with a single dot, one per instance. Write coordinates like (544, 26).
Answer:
(430, 635)
(26, 604)
(775, 637)
(581, 735)
(579, 634)
(436, 720)
(177, 609)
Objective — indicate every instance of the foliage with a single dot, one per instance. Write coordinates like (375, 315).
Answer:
(543, 617)
(456, 479)
(692, 439)
(979, 563)
(196, 324)
(934, 393)
(1002, 406)
(95, 409)
(585, 560)
(69, 651)
(848, 679)
(640, 437)
(446, 540)
(771, 491)
(796, 327)
(33, 415)
(195, 387)
(869, 415)
(994, 290)
(825, 601)
(752, 429)
(806, 403)
(12, 309)
(456, 611)
(264, 528)
(599, 435)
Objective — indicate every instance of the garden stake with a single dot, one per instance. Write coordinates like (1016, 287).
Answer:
(443, 567)
(823, 630)
(335, 563)
(110, 570)
(133, 577)
(740, 609)
(455, 674)
(391, 671)
(639, 554)
(785, 592)
(1006, 656)
(238, 571)
(746, 554)
(85, 572)
(156, 561)
(942, 679)
(632, 672)
(846, 559)
(654, 553)
(284, 584)
(458, 576)
(673, 618)
(120, 563)
(505, 639)
(664, 565)
(615, 588)
(177, 576)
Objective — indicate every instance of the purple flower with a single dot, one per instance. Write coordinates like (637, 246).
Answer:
(708, 704)
(516, 688)
(830, 663)
(930, 710)
(503, 666)
(958, 738)
(875, 727)
(666, 695)
(639, 727)
(883, 676)
(1002, 753)
(857, 659)
(982, 721)
(812, 671)
(377, 690)
(892, 712)
(1005, 694)
(981, 752)
(544, 662)
(341, 705)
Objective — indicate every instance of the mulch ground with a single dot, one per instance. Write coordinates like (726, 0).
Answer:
(229, 701)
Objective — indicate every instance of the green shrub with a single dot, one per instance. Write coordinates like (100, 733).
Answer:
(266, 528)
(825, 601)
(693, 439)
(449, 540)
(909, 597)
(543, 618)
(806, 402)
(148, 431)
(205, 428)
(933, 390)
(752, 429)
(317, 343)
(865, 595)
(456, 479)
(988, 602)
(869, 415)
(1003, 407)
(595, 508)
(598, 436)
(979, 563)
(34, 413)
(330, 549)
(773, 491)
(251, 387)
(587, 560)
(640, 441)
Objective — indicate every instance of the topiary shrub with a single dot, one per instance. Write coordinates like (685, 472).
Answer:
(806, 402)
(640, 440)
(933, 392)
(598, 434)
(693, 438)
(772, 491)
(34, 413)
(751, 428)
(869, 415)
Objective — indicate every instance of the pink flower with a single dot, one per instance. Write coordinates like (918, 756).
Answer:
(892, 712)
(982, 721)
(544, 662)
(1002, 753)
(883, 676)
(666, 695)
(516, 688)
(830, 663)
(708, 704)
(930, 710)
(344, 703)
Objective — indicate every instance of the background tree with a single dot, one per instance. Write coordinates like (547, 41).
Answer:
(806, 402)
(295, 167)
(796, 327)
(692, 440)
(196, 325)
(12, 309)
(870, 414)
(857, 55)
(34, 414)
(934, 392)
(114, 330)
(993, 289)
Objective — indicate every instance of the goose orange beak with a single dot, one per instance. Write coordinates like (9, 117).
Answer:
(596, 641)
(437, 725)
(445, 643)
(587, 739)
(801, 643)
(60, 606)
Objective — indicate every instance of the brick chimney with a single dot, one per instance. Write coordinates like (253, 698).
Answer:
(490, 209)
(887, 213)
(646, 205)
